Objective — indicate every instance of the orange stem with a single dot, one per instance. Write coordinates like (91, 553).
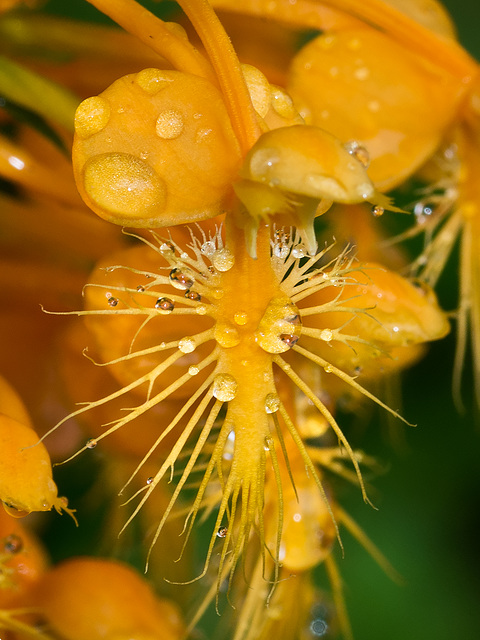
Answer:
(154, 32)
(227, 68)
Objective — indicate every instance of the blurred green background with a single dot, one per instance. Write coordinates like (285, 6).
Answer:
(429, 500)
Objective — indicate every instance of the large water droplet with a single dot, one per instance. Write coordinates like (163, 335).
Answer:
(91, 444)
(224, 387)
(181, 279)
(377, 211)
(280, 327)
(124, 185)
(222, 532)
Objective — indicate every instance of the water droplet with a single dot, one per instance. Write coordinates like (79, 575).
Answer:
(92, 116)
(318, 628)
(112, 302)
(328, 368)
(187, 345)
(281, 251)
(169, 124)
(280, 327)
(124, 186)
(240, 318)
(167, 248)
(193, 370)
(153, 80)
(299, 251)
(326, 334)
(165, 305)
(258, 88)
(217, 294)
(91, 444)
(140, 288)
(359, 152)
(12, 544)
(13, 511)
(422, 211)
(181, 279)
(222, 532)
(208, 248)
(377, 211)
(272, 403)
(289, 339)
(226, 335)
(361, 73)
(223, 259)
(201, 310)
(150, 479)
(224, 387)
(282, 103)
(193, 295)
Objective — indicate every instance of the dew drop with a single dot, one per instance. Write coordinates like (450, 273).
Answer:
(124, 186)
(222, 532)
(187, 345)
(224, 387)
(112, 302)
(281, 251)
(217, 294)
(193, 295)
(223, 259)
(299, 251)
(359, 152)
(289, 339)
(91, 444)
(181, 279)
(208, 248)
(226, 335)
(326, 335)
(272, 403)
(12, 544)
(91, 116)
(362, 73)
(193, 370)
(201, 310)
(153, 80)
(377, 211)
(328, 368)
(282, 103)
(140, 288)
(165, 305)
(13, 511)
(240, 318)
(150, 479)
(280, 327)
(169, 125)
(167, 248)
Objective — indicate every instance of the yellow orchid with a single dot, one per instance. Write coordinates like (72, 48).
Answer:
(226, 321)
